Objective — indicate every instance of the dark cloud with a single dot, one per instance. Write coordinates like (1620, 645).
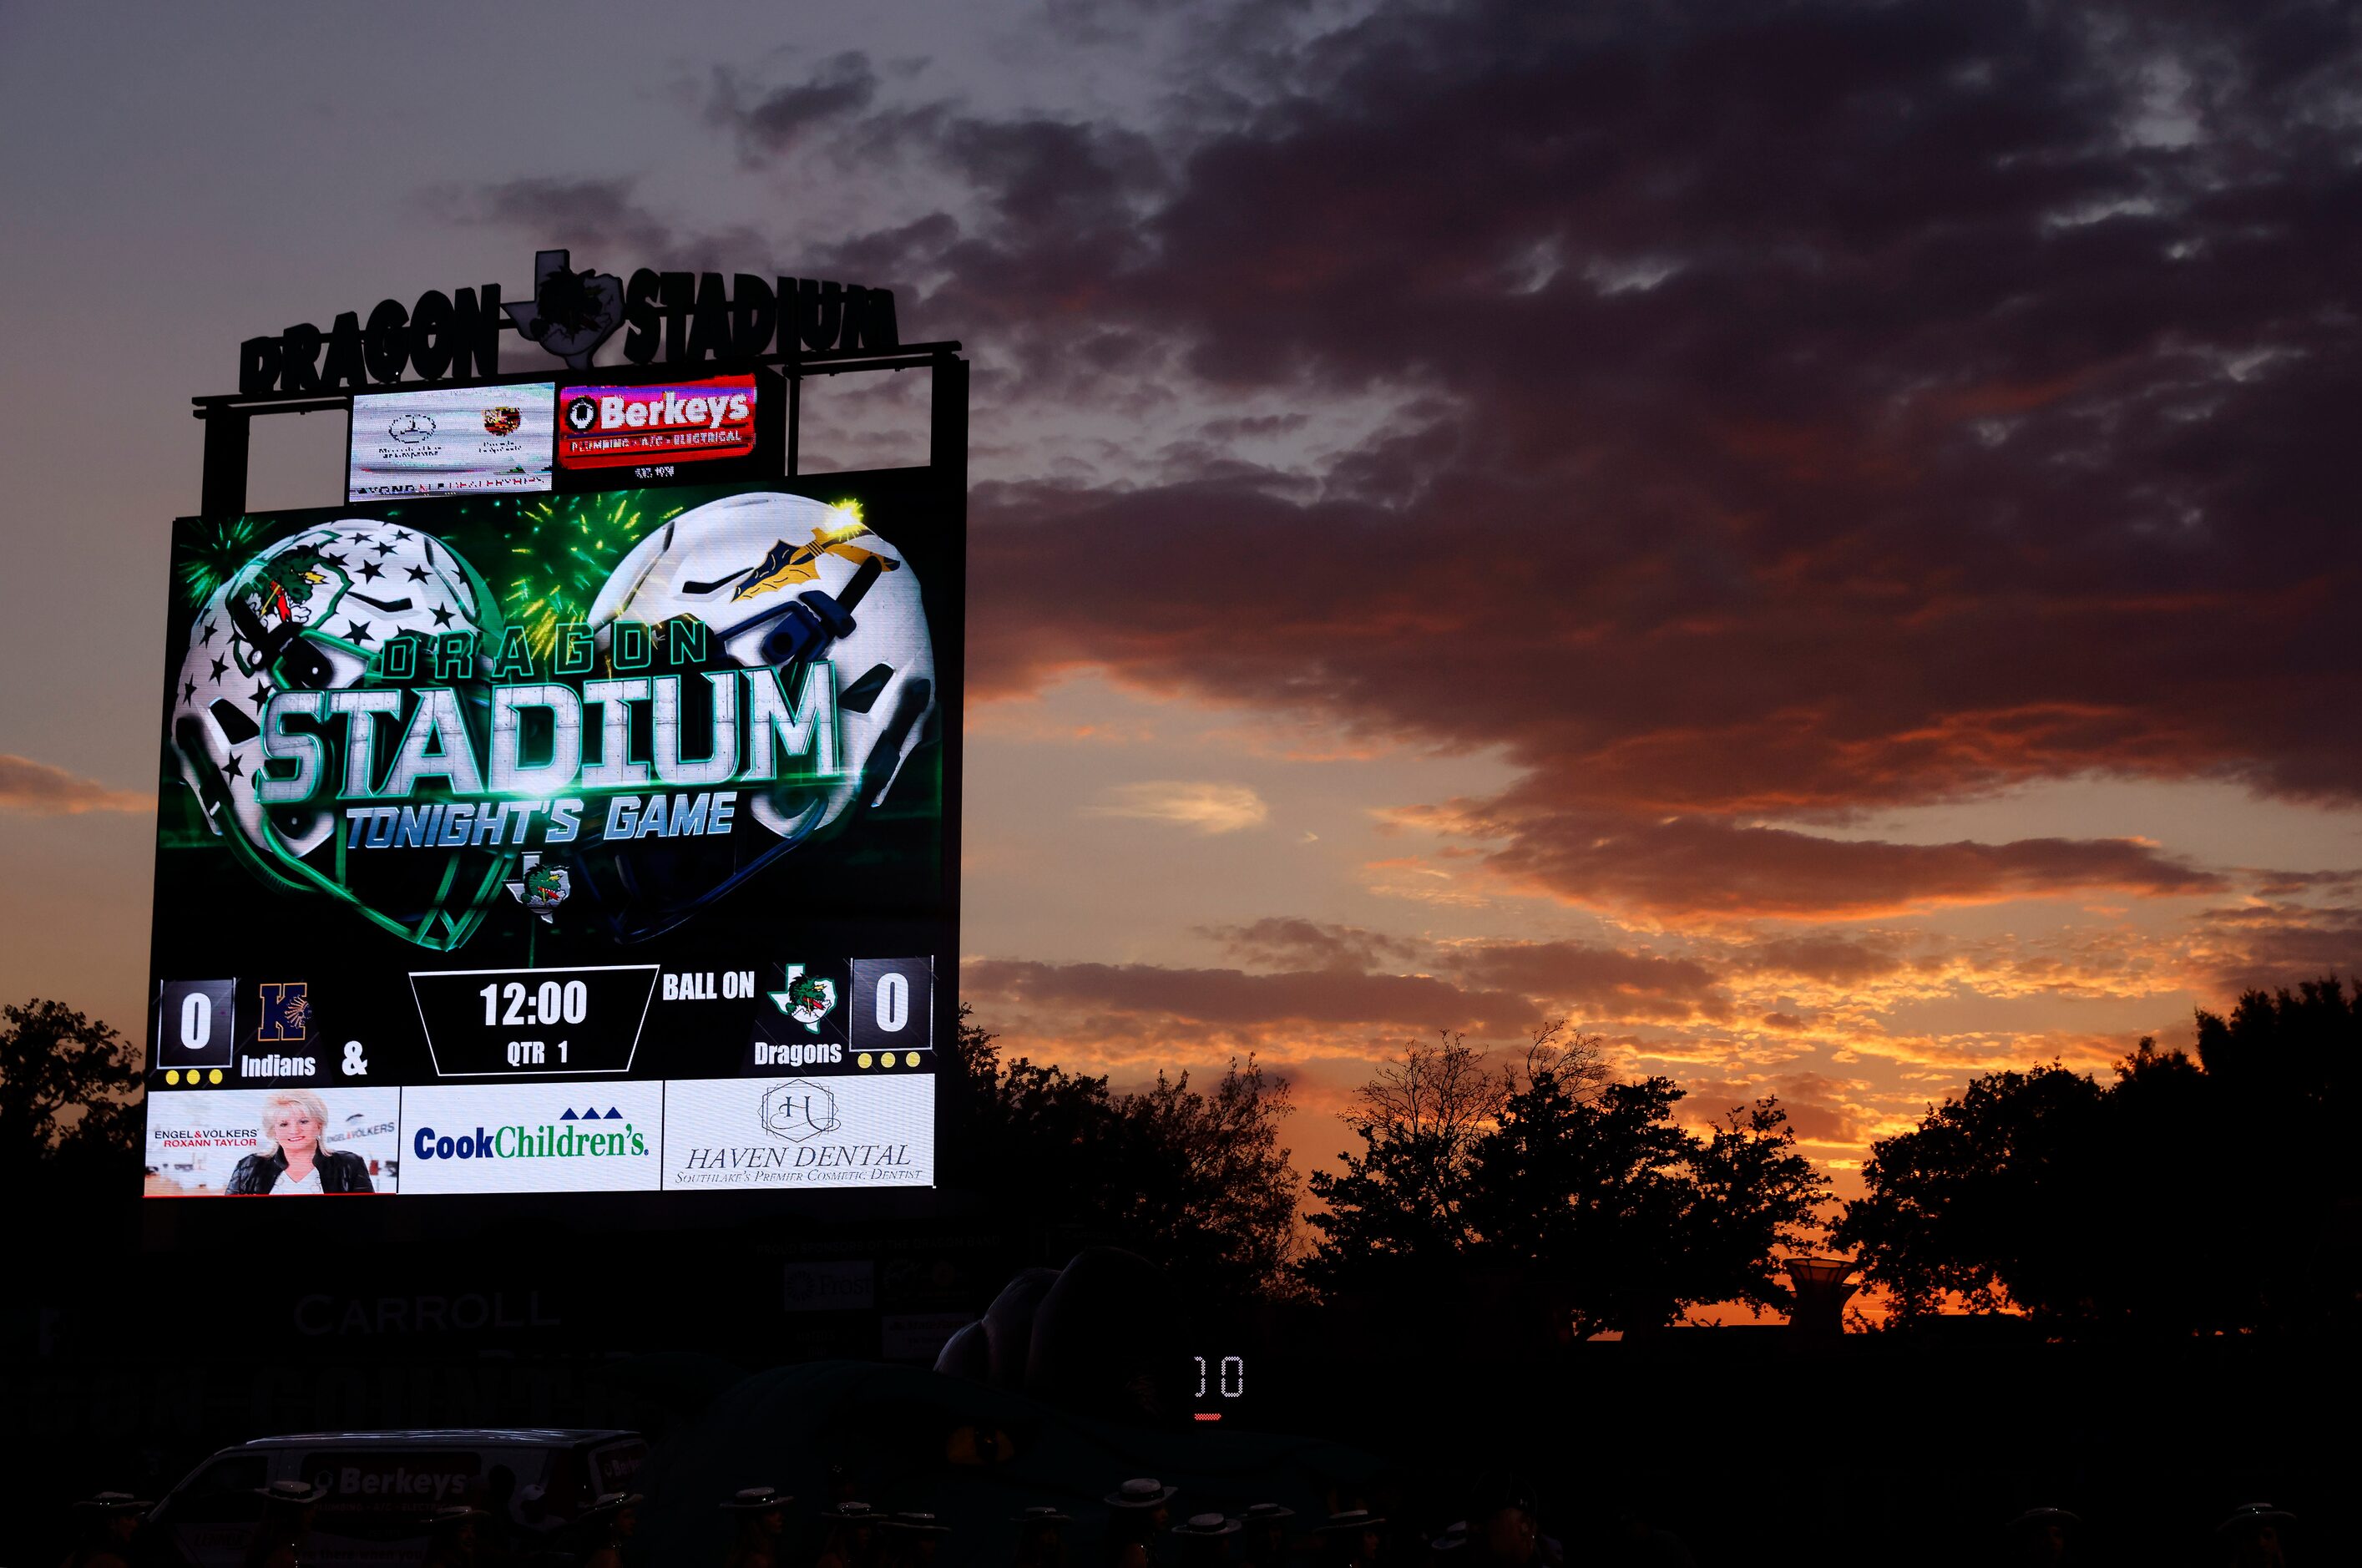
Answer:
(1283, 942)
(1801, 410)
(1310, 973)
(602, 221)
(2273, 944)
(38, 787)
(768, 122)
(1820, 408)
(1625, 984)
(1831, 958)
(1230, 999)
(1716, 866)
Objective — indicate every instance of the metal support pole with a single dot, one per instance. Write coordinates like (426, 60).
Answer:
(222, 493)
(795, 416)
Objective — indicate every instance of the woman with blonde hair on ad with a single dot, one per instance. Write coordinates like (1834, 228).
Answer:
(288, 1161)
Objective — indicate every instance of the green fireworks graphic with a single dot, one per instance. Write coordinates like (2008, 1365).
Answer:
(215, 556)
(570, 546)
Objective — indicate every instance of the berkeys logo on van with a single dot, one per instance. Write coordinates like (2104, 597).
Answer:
(552, 1138)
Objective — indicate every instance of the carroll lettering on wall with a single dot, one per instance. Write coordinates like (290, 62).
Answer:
(319, 1316)
(682, 318)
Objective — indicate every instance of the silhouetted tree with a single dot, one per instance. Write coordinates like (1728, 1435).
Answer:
(1976, 1200)
(1204, 1177)
(1555, 1172)
(2185, 1197)
(1195, 1180)
(1759, 1200)
(70, 1092)
(1400, 1203)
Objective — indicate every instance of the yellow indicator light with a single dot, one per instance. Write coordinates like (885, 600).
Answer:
(909, 1058)
(172, 1074)
(864, 1060)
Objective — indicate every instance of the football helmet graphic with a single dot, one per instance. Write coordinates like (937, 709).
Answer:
(807, 592)
(310, 611)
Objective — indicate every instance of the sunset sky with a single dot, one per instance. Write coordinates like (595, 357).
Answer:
(1810, 539)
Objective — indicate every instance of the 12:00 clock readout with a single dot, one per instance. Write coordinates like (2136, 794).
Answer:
(551, 1002)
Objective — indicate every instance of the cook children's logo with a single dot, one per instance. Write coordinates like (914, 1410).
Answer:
(582, 1134)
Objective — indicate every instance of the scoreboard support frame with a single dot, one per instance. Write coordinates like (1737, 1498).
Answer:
(230, 417)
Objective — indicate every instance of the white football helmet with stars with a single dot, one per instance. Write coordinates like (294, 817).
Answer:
(310, 612)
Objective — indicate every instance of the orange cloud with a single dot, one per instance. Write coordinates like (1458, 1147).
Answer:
(37, 787)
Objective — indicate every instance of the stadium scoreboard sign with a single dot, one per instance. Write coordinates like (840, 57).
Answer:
(530, 827)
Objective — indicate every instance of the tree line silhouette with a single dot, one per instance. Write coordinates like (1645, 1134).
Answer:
(2190, 1192)
(1557, 1173)
(2213, 1192)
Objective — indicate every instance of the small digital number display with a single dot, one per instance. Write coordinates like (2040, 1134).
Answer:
(1219, 1378)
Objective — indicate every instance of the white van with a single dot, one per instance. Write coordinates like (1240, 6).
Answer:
(382, 1487)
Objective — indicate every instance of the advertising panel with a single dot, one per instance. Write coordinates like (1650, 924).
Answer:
(273, 1142)
(533, 1137)
(512, 808)
(620, 426)
(451, 441)
(856, 1129)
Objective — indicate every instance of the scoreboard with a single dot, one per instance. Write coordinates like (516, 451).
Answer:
(573, 808)
(549, 840)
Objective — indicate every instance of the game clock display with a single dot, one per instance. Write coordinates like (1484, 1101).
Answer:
(556, 843)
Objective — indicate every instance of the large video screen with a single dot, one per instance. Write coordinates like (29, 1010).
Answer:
(585, 844)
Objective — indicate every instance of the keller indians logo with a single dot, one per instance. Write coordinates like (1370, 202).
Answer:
(807, 999)
(286, 1013)
(785, 565)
